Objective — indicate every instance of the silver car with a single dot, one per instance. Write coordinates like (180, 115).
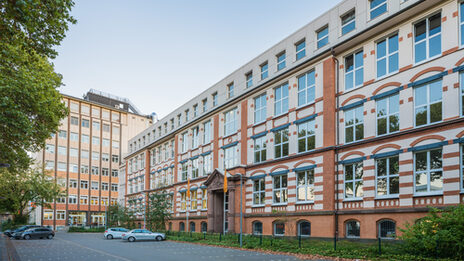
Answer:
(115, 232)
(142, 234)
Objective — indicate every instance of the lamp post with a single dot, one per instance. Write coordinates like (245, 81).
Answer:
(241, 212)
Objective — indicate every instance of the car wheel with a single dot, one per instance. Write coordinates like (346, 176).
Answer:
(27, 237)
(50, 236)
(159, 238)
(131, 239)
(109, 236)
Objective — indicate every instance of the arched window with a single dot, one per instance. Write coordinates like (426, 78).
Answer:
(279, 229)
(387, 229)
(352, 229)
(181, 226)
(304, 228)
(192, 227)
(204, 227)
(257, 228)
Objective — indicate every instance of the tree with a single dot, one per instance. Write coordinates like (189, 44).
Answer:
(158, 211)
(30, 104)
(19, 188)
(120, 216)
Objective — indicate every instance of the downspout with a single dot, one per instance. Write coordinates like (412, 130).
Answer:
(337, 131)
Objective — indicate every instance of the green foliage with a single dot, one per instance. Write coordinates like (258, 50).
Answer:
(158, 211)
(35, 25)
(87, 230)
(440, 233)
(19, 188)
(12, 224)
(119, 216)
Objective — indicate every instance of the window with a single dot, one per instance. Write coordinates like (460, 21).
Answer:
(61, 166)
(306, 88)
(96, 125)
(195, 137)
(428, 103)
(428, 172)
(49, 164)
(230, 90)
(264, 71)
(62, 150)
(279, 229)
(207, 164)
(259, 192)
(84, 154)
(427, 38)
(184, 142)
(354, 70)
(280, 189)
(348, 22)
(388, 180)
(84, 200)
(195, 168)
(387, 56)
(85, 123)
(183, 203)
(322, 37)
(281, 99)
(105, 171)
(192, 227)
(207, 132)
(249, 79)
(95, 170)
(186, 118)
(106, 128)
(204, 227)
(49, 148)
(115, 158)
(388, 115)
(195, 114)
(72, 199)
(354, 126)
(306, 136)
(281, 61)
(74, 120)
(230, 122)
(305, 185)
(114, 187)
(104, 186)
(179, 121)
(387, 229)
(94, 185)
(84, 184)
(114, 173)
(260, 108)
(461, 21)
(73, 183)
(85, 138)
(105, 157)
(62, 134)
(204, 199)
(205, 107)
(215, 99)
(95, 141)
(48, 215)
(84, 169)
(74, 136)
(281, 143)
(230, 157)
(354, 180)
(462, 167)
(353, 229)
(115, 144)
(193, 200)
(73, 168)
(260, 149)
(377, 7)
(300, 49)
(184, 171)
(257, 228)
(60, 215)
(304, 229)
(461, 80)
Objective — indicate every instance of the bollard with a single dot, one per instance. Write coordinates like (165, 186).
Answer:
(204, 235)
(299, 241)
(220, 235)
(335, 243)
(380, 246)
(238, 238)
(261, 240)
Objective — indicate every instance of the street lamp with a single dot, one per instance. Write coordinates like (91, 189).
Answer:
(241, 212)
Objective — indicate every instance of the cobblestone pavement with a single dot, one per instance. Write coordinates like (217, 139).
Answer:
(88, 247)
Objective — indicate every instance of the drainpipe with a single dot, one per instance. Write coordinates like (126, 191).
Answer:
(337, 117)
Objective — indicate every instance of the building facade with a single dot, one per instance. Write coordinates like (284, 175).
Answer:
(84, 158)
(350, 127)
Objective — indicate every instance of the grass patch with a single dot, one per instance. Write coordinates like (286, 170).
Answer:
(86, 230)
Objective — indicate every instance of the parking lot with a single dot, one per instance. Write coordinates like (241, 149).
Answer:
(90, 246)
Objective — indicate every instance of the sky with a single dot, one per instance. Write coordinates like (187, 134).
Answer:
(160, 54)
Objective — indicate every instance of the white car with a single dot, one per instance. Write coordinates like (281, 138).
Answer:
(143, 234)
(115, 232)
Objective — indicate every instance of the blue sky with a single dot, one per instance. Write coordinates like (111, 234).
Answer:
(160, 54)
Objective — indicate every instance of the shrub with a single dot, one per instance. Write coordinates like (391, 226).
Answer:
(87, 230)
(439, 234)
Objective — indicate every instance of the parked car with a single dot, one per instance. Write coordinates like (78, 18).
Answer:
(37, 232)
(142, 234)
(21, 229)
(115, 232)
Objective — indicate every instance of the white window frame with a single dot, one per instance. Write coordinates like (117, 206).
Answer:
(282, 143)
(461, 24)
(207, 164)
(354, 124)
(249, 79)
(283, 190)
(428, 104)
(184, 172)
(426, 39)
(379, 6)
(307, 187)
(353, 180)
(262, 142)
(281, 60)
(195, 137)
(260, 108)
(264, 70)
(387, 176)
(195, 169)
(307, 88)
(428, 171)
(230, 90)
(309, 126)
(387, 115)
(348, 22)
(207, 132)
(300, 51)
(322, 37)
(184, 143)
(281, 105)
(230, 157)
(387, 56)
(260, 193)
(230, 122)
(354, 70)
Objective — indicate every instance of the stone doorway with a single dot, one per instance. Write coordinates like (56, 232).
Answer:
(215, 184)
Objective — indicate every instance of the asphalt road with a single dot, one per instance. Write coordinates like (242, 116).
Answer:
(89, 247)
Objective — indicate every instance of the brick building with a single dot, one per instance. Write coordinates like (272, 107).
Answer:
(351, 126)
(84, 157)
